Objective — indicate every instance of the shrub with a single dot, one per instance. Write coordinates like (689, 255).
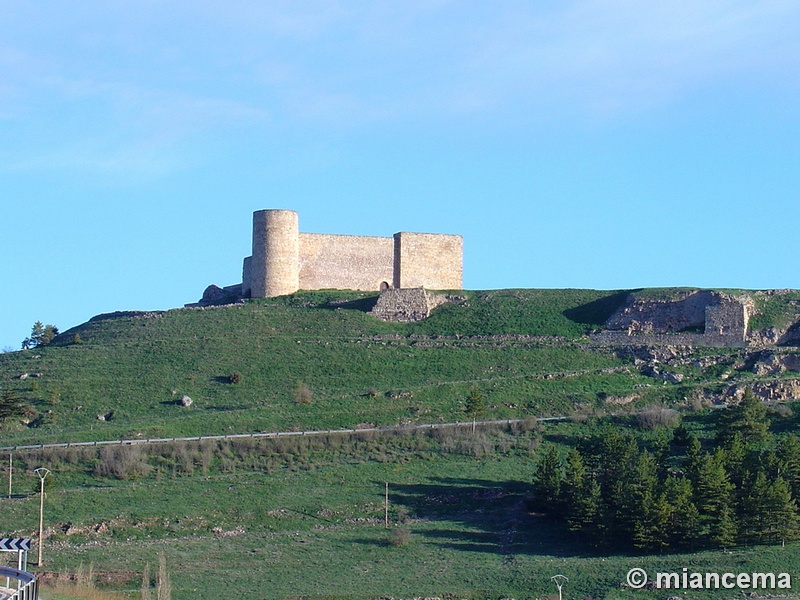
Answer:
(399, 537)
(303, 394)
(235, 377)
(655, 418)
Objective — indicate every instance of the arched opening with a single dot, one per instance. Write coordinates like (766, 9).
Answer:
(384, 286)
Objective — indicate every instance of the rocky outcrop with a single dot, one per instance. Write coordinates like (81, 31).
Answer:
(767, 362)
(771, 392)
(217, 296)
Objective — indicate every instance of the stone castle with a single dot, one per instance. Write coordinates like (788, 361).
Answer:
(284, 261)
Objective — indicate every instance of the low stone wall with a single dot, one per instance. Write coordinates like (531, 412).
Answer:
(406, 305)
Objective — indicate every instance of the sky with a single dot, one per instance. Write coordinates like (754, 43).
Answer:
(606, 144)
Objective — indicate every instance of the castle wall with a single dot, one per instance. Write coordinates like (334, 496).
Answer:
(347, 262)
(273, 269)
(285, 260)
(431, 260)
(727, 320)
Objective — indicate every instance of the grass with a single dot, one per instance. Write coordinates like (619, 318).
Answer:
(315, 528)
(138, 366)
(303, 517)
(524, 349)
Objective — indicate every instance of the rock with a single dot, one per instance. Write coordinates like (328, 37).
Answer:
(185, 401)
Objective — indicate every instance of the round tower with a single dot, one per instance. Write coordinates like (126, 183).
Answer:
(275, 266)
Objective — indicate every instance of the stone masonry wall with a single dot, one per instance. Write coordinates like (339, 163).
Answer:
(345, 262)
(285, 260)
(406, 305)
(430, 260)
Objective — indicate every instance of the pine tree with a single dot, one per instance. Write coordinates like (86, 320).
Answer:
(748, 418)
(11, 406)
(581, 500)
(714, 499)
(684, 518)
(723, 531)
(476, 405)
(547, 480)
(781, 520)
(788, 462)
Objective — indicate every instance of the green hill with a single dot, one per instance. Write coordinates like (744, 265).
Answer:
(352, 367)
(304, 516)
(318, 360)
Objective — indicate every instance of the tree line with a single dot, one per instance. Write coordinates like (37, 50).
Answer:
(742, 487)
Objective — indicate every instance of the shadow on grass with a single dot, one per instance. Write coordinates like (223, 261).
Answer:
(474, 515)
(361, 304)
(598, 311)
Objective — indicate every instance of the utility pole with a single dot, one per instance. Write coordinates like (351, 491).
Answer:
(42, 473)
(559, 580)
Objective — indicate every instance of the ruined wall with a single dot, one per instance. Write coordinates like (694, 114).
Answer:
(406, 305)
(431, 260)
(347, 262)
(685, 310)
(727, 320)
(642, 320)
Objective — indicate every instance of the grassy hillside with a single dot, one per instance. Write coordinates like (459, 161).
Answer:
(318, 360)
(354, 368)
(303, 517)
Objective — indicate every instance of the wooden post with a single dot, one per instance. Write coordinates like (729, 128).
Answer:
(10, 470)
(386, 507)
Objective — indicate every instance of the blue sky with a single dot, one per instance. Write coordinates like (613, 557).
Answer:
(582, 143)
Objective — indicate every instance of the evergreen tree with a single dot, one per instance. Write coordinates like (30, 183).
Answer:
(41, 335)
(714, 500)
(723, 529)
(581, 499)
(748, 418)
(11, 406)
(547, 480)
(788, 462)
(694, 458)
(684, 519)
(781, 519)
(475, 405)
(652, 523)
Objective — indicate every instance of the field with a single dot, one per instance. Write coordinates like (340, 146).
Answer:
(304, 517)
(307, 519)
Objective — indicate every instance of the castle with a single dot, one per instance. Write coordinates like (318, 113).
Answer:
(285, 260)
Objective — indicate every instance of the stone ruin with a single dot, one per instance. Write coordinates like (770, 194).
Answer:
(407, 305)
(692, 318)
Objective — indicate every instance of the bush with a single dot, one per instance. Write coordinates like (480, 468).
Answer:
(399, 537)
(303, 394)
(235, 377)
(655, 418)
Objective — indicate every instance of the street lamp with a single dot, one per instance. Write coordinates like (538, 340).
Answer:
(559, 580)
(42, 473)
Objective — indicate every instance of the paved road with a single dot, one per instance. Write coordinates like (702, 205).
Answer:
(275, 434)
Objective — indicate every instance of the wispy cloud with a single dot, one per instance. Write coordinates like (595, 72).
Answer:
(155, 73)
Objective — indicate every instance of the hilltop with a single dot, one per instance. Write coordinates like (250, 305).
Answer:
(318, 360)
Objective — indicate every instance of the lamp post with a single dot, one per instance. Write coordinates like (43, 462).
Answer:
(559, 580)
(42, 473)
